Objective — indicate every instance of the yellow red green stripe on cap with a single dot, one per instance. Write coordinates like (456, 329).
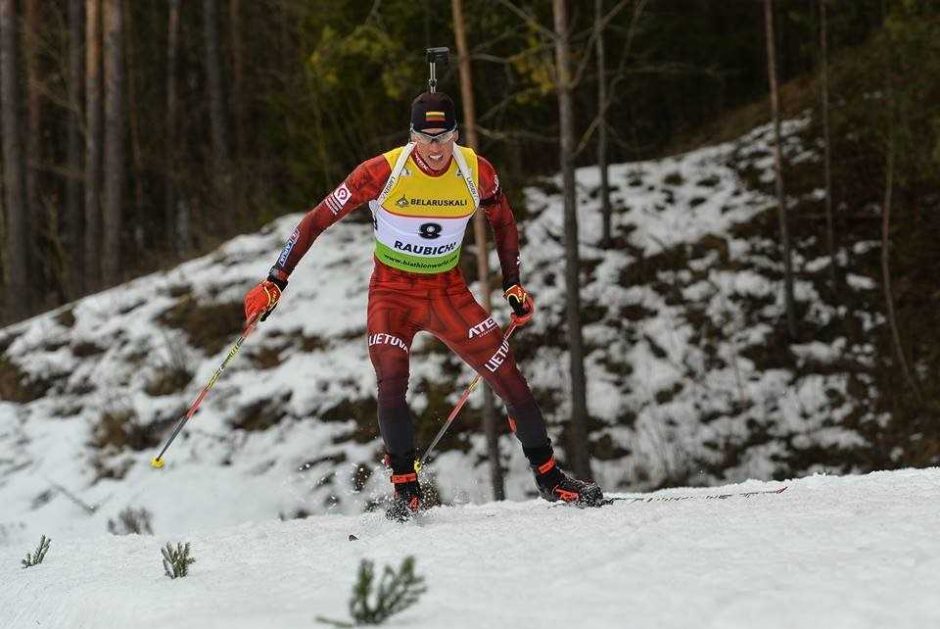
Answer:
(433, 110)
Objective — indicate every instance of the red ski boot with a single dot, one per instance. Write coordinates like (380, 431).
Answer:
(555, 485)
(407, 499)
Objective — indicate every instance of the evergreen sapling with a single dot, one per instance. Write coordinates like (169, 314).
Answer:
(176, 561)
(396, 592)
(40, 554)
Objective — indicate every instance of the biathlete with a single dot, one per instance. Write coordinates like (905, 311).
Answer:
(422, 196)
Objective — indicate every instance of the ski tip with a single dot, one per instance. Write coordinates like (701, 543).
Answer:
(156, 463)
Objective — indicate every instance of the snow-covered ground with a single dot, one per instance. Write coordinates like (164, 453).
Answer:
(675, 392)
(830, 552)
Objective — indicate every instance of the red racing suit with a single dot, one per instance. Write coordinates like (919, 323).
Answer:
(402, 303)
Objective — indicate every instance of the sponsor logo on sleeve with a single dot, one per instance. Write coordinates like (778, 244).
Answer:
(288, 247)
(338, 198)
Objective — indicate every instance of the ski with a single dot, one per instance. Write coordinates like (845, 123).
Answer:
(723, 496)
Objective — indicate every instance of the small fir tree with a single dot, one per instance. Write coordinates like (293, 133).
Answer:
(396, 592)
(36, 558)
(176, 561)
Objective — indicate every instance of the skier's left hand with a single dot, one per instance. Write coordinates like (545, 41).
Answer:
(523, 306)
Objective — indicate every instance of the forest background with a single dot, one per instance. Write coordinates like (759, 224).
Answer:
(140, 134)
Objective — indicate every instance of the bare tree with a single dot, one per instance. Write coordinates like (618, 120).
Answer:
(214, 82)
(176, 215)
(886, 268)
(72, 220)
(238, 74)
(827, 149)
(130, 65)
(92, 144)
(886, 229)
(605, 95)
(220, 140)
(237, 182)
(602, 124)
(479, 233)
(580, 452)
(31, 24)
(113, 32)
(17, 225)
(778, 169)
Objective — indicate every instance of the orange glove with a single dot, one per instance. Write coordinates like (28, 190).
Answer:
(261, 300)
(523, 306)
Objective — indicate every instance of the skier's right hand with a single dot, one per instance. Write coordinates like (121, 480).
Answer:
(261, 300)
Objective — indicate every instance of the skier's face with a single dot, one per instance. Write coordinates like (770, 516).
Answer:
(435, 146)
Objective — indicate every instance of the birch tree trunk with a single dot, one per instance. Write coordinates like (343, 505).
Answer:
(92, 145)
(580, 451)
(479, 233)
(778, 170)
(113, 140)
(17, 225)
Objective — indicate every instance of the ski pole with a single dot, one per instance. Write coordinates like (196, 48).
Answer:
(157, 461)
(463, 400)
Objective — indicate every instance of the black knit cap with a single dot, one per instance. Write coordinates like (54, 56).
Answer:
(433, 110)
